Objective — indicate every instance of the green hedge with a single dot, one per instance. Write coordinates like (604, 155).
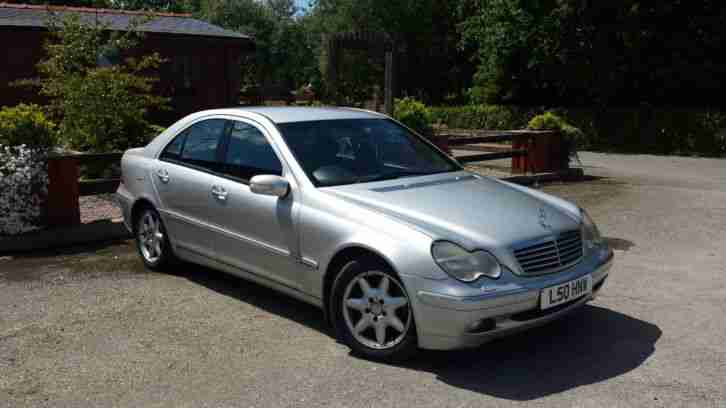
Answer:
(641, 129)
(481, 116)
(652, 130)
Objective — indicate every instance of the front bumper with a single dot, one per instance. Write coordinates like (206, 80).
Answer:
(446, 322)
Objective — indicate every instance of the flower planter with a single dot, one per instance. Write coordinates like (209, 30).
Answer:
(546, 152)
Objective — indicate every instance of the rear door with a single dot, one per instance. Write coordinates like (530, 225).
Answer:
(184, 178)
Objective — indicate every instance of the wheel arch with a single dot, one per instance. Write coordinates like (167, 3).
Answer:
(136, 208)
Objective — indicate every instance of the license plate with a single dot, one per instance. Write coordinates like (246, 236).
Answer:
(563, 293)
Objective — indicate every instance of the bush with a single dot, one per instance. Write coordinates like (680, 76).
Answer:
(23, 188)
(551, 121)
(26, 125)
(413, 114)
(495, 117)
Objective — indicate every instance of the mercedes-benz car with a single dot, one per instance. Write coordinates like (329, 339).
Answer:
(353, 212)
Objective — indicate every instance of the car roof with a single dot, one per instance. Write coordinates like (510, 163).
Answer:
(285, 114)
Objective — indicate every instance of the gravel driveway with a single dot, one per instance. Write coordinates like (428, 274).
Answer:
(90, 327)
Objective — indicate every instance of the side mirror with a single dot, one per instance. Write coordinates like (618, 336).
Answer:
(269, 185)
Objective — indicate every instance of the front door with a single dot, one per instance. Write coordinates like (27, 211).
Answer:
(260, 234)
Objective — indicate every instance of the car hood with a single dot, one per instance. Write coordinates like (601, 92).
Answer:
(472, 210)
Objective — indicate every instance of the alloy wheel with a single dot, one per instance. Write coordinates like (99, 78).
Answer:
(151, 237)
(376, 310)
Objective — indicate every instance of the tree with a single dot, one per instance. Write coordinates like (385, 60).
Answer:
(98, 107)
(283, 9)
(424, 30)
(283, 54)
(583, 52)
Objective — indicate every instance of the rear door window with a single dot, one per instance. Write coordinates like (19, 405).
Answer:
(198, 145)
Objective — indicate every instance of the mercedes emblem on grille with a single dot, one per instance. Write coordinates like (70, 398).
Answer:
(543, 219)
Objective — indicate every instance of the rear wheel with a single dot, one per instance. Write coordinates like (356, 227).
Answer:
(152, 240)
(372, 311)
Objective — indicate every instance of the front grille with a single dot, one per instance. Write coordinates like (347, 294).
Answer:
(551, 254)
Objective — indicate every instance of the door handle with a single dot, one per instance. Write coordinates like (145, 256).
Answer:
(163, 175)
(219, 192)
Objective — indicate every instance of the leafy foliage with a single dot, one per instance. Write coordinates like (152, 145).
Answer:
(480, 117)
(98, 108)
(652, 130)
(551, 121)
(579, 52)
(644, 129)
(26, 125)
(283, 54)
(432, 68)
(413, 114)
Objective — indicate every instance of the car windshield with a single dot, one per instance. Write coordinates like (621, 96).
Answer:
(347, 151)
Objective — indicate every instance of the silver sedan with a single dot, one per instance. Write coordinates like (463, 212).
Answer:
(354, 213)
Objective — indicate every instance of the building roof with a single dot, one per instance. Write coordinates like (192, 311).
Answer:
(25, 15)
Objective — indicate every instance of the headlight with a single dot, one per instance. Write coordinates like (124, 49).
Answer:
(590, 233)
(464, 265)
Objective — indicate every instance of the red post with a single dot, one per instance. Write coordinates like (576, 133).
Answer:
(442, 142)
(62, 202)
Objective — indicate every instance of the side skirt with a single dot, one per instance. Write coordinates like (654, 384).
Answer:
(195, 257)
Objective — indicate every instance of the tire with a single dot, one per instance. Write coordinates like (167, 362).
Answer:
(152, 241)
(372, 313)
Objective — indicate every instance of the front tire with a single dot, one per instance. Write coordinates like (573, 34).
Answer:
(152, 240)
(372, 312)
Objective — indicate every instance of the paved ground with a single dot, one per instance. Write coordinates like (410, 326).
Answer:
(90, 327)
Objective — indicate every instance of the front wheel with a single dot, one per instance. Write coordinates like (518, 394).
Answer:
(372, 311)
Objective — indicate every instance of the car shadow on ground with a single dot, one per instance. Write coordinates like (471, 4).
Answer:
(257, 295)
(591, 345)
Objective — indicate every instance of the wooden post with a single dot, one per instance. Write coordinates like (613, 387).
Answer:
(62, 201)
(389, 82)
(332, 71)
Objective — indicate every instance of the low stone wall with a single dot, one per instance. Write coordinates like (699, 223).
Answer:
(23, 188)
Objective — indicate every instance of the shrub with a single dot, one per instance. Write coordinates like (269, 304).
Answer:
(26, 125)
(496, 117)
(413, 114)
(23, 188)
(551, 121)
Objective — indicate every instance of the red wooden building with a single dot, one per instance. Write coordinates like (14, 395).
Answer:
(203, 60)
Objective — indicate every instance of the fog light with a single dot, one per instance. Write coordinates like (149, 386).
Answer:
(481, 326)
